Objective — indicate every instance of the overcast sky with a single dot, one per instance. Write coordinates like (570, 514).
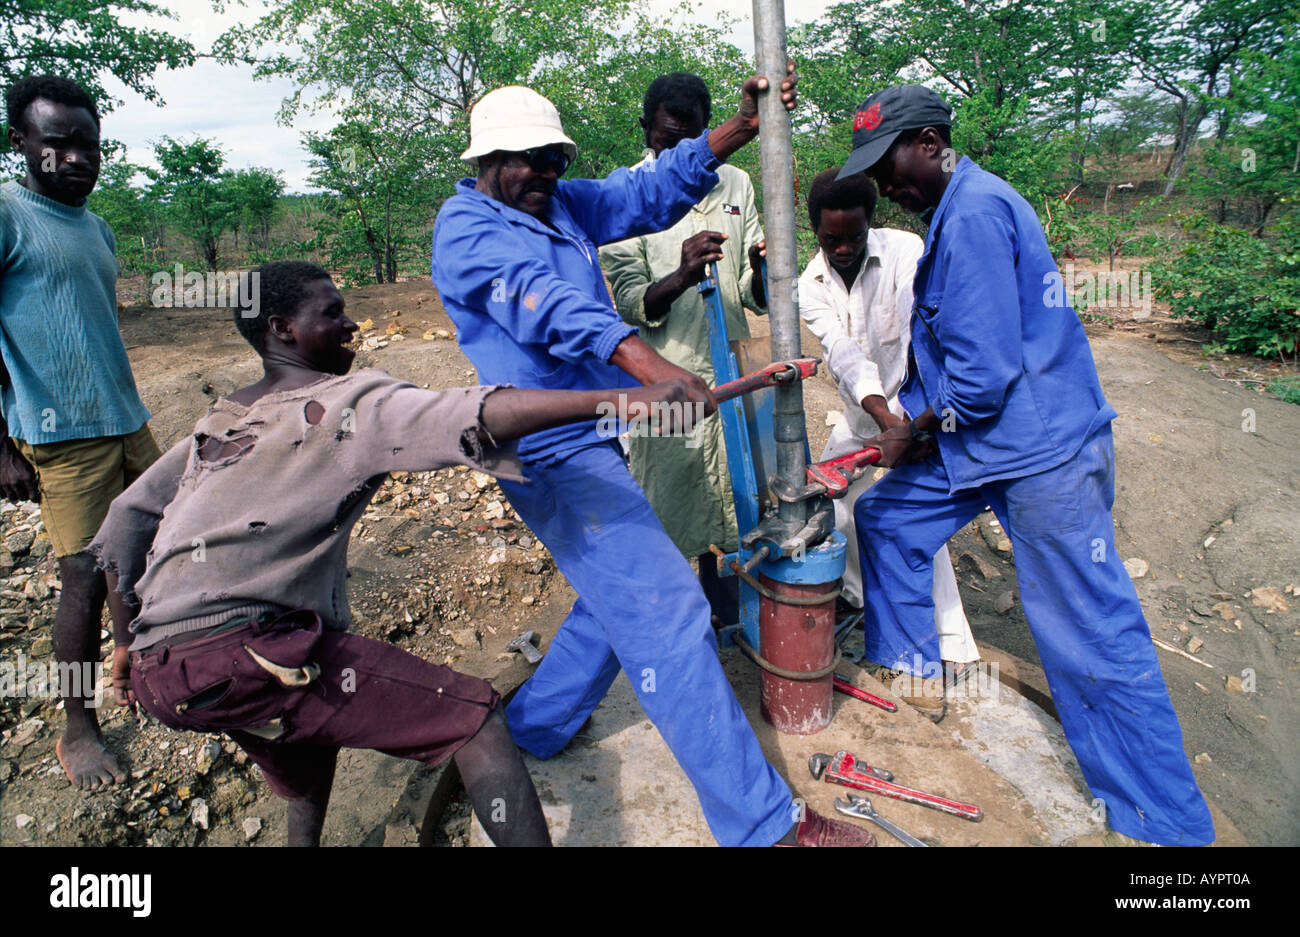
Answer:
(224, 102)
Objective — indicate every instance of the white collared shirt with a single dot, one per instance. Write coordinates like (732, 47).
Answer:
(864, 330)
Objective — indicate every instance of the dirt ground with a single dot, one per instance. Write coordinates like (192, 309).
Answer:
(1206, 505)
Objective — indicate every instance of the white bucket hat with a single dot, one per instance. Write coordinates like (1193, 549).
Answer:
(514, 119)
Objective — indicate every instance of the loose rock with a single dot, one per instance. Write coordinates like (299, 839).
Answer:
(465, 637)
(19, 541)
(1267, 597)
(1137, 568)
(208, 753)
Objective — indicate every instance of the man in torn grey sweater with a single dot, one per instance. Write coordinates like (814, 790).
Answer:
(231, 552)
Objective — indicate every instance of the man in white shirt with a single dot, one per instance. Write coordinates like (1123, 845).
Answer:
(856, 297)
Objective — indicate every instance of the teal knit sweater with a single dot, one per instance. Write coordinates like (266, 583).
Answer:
(69, 377)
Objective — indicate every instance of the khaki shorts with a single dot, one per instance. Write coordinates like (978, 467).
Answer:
(79, 478)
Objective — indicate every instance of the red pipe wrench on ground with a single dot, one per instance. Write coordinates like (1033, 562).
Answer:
(778, 372)
(842, 685)
(843, 768)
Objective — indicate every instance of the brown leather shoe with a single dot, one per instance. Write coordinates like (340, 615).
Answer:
(933, 708)
(816, 830)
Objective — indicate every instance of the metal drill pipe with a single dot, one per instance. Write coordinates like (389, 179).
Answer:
(777, 155)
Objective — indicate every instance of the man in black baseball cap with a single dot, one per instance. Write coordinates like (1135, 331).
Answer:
(1006, 410)
(902, 139)
(885, 115)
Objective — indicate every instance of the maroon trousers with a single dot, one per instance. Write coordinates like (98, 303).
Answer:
(311, 693)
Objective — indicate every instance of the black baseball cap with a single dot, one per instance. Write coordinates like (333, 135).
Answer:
(886, 114)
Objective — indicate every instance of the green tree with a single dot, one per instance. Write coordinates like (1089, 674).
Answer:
(1130, 120)
(600, 102)
(1244, 288)
(1192, 52)
(83, 40)
(1255, 168)
(380, 193)
(1023, 78)
(1083, 61)
(415, 67)
(133, 216)
(256, 193)
(403, 76)
(199, 200)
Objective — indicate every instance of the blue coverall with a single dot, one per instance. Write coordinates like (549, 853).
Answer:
(1026, 430)
(531, 309)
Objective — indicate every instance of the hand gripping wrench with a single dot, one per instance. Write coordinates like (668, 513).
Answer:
(837, 474)
(830, 478)
(779, 372)
(860, 807)
(843, 768)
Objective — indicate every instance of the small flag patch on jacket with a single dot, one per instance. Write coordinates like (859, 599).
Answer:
(730, 209)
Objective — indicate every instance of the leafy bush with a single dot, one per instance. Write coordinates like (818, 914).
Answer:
(1288, 388)
(1245, 288)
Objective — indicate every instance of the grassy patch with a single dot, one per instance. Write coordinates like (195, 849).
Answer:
(1288, 388)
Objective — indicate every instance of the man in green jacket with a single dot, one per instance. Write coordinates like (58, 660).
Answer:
(654, 280)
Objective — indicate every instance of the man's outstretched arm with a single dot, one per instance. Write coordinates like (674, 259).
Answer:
(654, 196)
(649, 367)
(511, 412)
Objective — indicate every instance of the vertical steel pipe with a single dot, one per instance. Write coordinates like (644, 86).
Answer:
(777, 155)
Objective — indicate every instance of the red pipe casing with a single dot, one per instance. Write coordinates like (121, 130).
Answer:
(800, 638)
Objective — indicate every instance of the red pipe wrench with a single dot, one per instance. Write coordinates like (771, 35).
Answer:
(843, 686)
(835, 475)
(843, 768)
(778, 372)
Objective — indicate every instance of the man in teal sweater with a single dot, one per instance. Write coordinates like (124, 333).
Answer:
(72, 427)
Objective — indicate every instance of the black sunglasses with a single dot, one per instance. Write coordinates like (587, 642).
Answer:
(542, 158)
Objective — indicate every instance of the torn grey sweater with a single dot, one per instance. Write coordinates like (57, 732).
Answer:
(198, 542)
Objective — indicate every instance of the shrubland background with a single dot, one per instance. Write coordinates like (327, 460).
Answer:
(1143, 129)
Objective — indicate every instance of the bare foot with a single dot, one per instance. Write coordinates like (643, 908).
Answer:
(87, 762)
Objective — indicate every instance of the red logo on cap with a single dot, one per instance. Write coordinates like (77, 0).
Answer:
(868, 119)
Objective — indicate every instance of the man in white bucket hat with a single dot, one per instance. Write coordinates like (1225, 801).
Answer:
(514, 260)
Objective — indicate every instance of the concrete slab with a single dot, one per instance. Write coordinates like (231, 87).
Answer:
(617, 783)
(1019, 742)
